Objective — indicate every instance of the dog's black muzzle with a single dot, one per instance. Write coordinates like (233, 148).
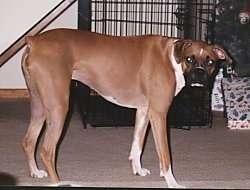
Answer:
(197, 77)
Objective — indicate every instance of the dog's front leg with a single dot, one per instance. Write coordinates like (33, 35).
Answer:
(158, 125)
(141, 124)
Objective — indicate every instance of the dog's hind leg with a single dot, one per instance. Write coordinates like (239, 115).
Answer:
(37, 118)
(141, 124)
(30, 140)
(55, 123)
(49, 89)
(56, 102)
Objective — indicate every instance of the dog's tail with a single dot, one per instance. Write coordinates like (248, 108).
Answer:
(29, 41)
(27, 49)
(25, 54)
(25, 61)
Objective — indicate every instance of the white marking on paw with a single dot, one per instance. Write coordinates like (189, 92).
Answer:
(170, 179)
(137, 170)
(39, 174)
(134, 157)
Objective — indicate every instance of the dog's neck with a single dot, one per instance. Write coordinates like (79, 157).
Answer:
(179, 77)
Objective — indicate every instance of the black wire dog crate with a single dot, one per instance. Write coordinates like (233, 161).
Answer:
(175, 18)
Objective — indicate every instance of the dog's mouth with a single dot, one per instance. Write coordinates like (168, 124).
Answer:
(197, 85)
(198, 77)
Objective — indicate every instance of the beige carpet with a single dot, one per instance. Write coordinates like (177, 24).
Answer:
(202, 157)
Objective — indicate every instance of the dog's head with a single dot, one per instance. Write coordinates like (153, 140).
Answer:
(199, 61)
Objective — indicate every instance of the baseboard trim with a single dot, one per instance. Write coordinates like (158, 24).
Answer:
(14, 93)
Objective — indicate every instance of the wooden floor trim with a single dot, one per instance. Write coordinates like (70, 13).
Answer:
(14, 93)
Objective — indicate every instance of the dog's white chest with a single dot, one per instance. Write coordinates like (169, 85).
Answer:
(179, 77)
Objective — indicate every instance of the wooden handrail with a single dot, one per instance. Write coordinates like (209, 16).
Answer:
(35, 29)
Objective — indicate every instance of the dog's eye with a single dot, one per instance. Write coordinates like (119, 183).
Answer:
(210, 62)
(190, 60)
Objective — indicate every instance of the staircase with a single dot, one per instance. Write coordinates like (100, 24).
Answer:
(35, 29)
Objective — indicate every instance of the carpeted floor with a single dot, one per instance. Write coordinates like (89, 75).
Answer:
(202, 157)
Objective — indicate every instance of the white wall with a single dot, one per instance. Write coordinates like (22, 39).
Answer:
(15, 18)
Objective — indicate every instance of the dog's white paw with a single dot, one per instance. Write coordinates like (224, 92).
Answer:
(170, 179)
(136, 165)
(39, 174)
(142, 172)
(138, 170)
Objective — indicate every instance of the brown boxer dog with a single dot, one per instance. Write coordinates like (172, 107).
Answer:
(142, 72)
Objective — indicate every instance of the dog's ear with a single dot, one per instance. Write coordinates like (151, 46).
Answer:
(225, 57)
(179, 47)
(222, 54)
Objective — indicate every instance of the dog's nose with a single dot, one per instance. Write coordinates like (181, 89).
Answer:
(199, 70)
